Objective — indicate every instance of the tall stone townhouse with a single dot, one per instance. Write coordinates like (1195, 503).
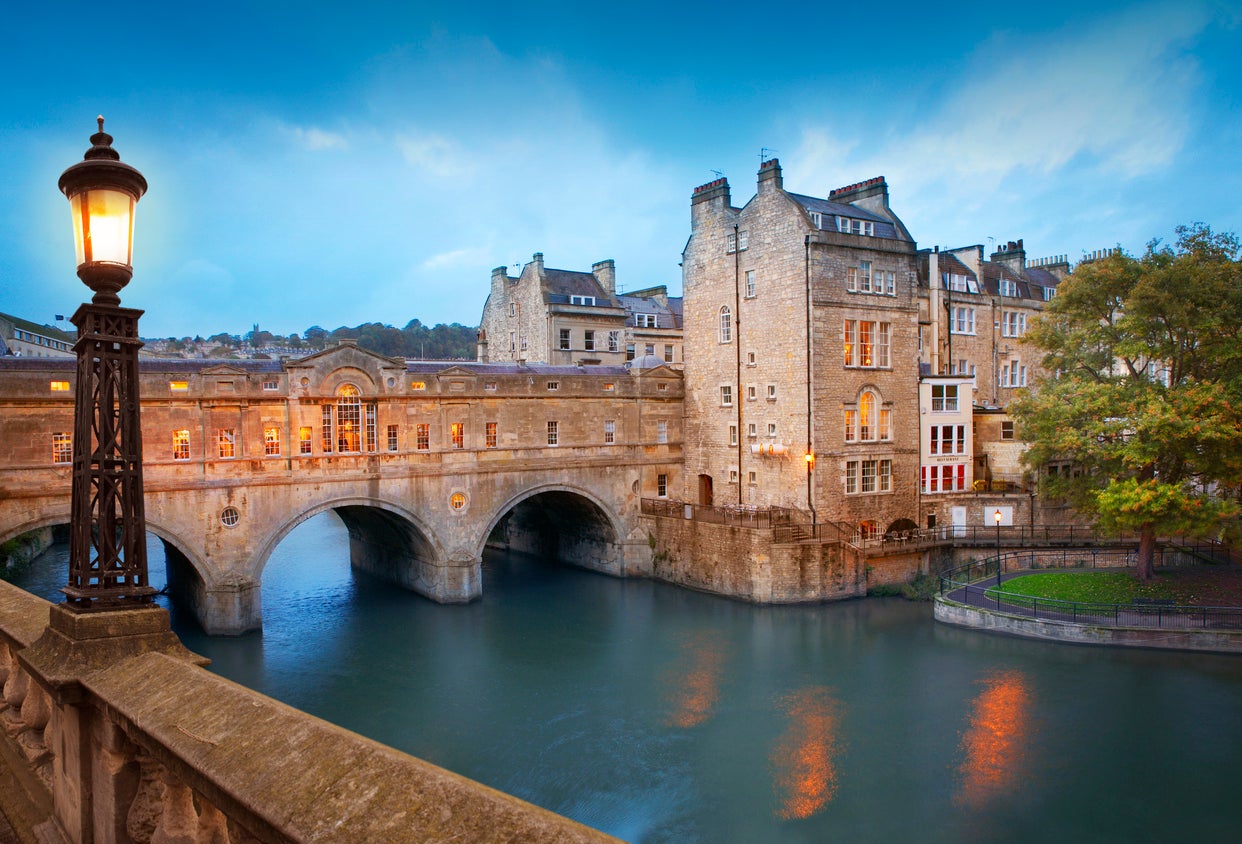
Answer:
(801, 337)
(568, 317)
(972, 320)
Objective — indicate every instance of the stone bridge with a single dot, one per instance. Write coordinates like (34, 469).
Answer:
(426, 464)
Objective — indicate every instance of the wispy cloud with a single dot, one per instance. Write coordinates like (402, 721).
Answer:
(1115, 97)
(315, 139)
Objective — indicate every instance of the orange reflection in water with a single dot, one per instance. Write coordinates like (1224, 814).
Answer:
(804, 760)
(996, 740)
(694, 683)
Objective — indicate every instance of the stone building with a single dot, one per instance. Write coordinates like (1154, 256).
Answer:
(557, 317)
(801, 337)
(569, 318)
(972, 320)
(23, 338)
(653, 325)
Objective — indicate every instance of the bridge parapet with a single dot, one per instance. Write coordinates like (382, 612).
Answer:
(236, 454)
(156, 748)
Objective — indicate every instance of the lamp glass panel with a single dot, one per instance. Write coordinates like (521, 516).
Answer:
(103, 226)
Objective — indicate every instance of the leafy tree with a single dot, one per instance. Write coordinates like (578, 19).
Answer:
(315, 337)
(1144, 399)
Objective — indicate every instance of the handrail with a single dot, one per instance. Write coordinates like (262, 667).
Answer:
(979, 578)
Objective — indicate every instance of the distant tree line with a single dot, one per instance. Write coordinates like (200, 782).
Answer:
(439, 342)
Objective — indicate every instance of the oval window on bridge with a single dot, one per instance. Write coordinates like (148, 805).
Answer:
(229, 517)
(457, 501)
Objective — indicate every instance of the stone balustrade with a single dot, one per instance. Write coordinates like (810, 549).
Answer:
(137, 742)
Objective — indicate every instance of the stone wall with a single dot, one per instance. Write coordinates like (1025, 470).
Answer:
(744, 563)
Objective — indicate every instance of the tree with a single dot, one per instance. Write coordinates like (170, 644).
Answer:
(1144, 401)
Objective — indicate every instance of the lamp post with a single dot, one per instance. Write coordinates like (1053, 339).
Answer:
(107, 543)
(997, 517)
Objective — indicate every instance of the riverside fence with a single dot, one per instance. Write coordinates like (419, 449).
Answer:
(979, 583)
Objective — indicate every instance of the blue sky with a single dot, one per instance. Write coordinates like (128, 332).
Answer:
(331, 164)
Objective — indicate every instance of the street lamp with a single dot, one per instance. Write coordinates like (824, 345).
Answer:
(107, 541)
(997, 517)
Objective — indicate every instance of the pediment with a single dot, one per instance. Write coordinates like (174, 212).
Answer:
(224, 369)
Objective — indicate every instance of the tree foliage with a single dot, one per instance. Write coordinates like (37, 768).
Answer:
(1143, 403)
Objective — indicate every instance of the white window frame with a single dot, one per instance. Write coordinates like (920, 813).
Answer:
(947, 401)
(726, 324)
(726, 395)
(963, 320)
(750, 284)
(554, 433)
(610, 432)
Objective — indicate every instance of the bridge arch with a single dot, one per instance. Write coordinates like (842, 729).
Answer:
(384, 538)
(565, 522)
(185, 568)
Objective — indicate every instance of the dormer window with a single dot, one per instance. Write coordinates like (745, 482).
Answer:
(845, 225)
(582, 300)
(817, 219)
(645, 321)
(1008, 287)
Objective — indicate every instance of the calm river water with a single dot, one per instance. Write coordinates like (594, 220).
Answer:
(661, 715)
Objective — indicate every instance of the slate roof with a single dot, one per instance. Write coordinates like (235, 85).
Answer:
(433, 367)
(666, 317)
(829, 211)
(45, 330)
(146, 364)
(947, 262)
(1040, 277)
(565, 283)
(994, 272)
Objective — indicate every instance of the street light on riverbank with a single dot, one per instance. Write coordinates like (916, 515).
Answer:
(997, 517)
(107, 544)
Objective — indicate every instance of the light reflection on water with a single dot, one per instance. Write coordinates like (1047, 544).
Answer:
(805, 757)
(995, 742)
(662, 715)
(693, 682)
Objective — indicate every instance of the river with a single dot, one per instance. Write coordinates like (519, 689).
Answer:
(662, 715)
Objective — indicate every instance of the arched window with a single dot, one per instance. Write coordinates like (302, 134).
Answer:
(867, 428)
(726, 325)
(348, 419)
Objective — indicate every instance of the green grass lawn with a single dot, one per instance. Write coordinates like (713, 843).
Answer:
(1202, 586)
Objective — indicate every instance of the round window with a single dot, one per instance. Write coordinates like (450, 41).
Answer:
(392, 382)
(229, 516)
(457, 501)
(305, 381)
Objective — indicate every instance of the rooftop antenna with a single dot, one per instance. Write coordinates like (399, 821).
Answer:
(719, 174)
(763, 154)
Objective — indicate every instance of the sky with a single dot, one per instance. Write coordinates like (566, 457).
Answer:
(331, 164)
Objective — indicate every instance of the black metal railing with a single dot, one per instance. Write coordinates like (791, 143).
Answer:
(760, 518)
(979, 583)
